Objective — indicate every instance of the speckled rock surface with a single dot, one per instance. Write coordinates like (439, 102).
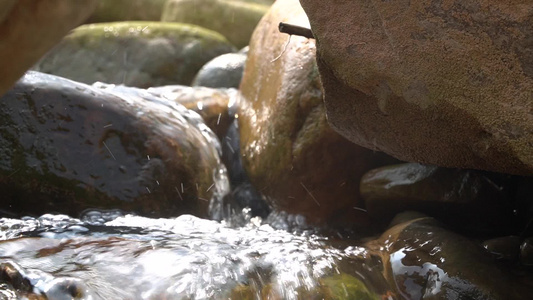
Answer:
(235, 20)
(66, 147)
(289, 151)
(447, 83)
(465, 200)
(140, 54)
(28, 29)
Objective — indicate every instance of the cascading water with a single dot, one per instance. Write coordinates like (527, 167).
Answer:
(105, 255)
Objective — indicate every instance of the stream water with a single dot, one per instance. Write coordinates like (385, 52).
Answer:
(106, 255)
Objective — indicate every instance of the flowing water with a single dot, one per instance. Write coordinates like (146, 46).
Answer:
(107, 255)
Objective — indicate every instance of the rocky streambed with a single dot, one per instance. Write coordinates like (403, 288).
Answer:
(143, 158)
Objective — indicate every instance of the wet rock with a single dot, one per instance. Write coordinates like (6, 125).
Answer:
(424, 261)
(436, 82)
(28, 29)
(244, 194)
(235, 20)
(211, 104)
(140, 54)
(526, 252)
(506, 248)
(224, 71)
(467, 200)
(127, 10)
(289, 151)
(66, 147)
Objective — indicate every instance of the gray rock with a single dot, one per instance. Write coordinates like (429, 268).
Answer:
(224, 71)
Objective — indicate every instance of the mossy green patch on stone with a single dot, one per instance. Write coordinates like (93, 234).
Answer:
(235, 20)
(344, 286)
(141, 54)
(127, 10)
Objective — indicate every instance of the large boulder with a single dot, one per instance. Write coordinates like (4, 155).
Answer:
(29, 28)
(235, 20)
(140, 54)
(66, 147)
(289, 151)
(448, 83)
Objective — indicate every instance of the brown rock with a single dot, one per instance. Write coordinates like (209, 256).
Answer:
(211, 104)
(29, 28)
(289, 151)
(424, 261)
(440, 82)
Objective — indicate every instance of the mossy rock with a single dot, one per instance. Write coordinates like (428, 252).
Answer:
(140, 54)
(236, 20)
(127, 10)
(344, 286)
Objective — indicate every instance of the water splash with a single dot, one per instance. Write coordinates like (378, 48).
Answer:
(109, 256)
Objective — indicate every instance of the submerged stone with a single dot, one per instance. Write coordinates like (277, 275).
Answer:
(506, 248)
(289, 151)
(66, 147)
(235, 20)
(140, 54)
(424, 261)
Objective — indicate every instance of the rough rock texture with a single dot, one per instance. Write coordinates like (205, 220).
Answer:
(66, 147)
(127, 10)
(289, 151)
(224, 71)
(448, 83)
(424, 261)
(235, 20)
(29, 28)
(466, 200)
(140, 54)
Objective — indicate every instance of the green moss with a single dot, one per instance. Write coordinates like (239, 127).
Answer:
(91, 35)
(344, 286)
